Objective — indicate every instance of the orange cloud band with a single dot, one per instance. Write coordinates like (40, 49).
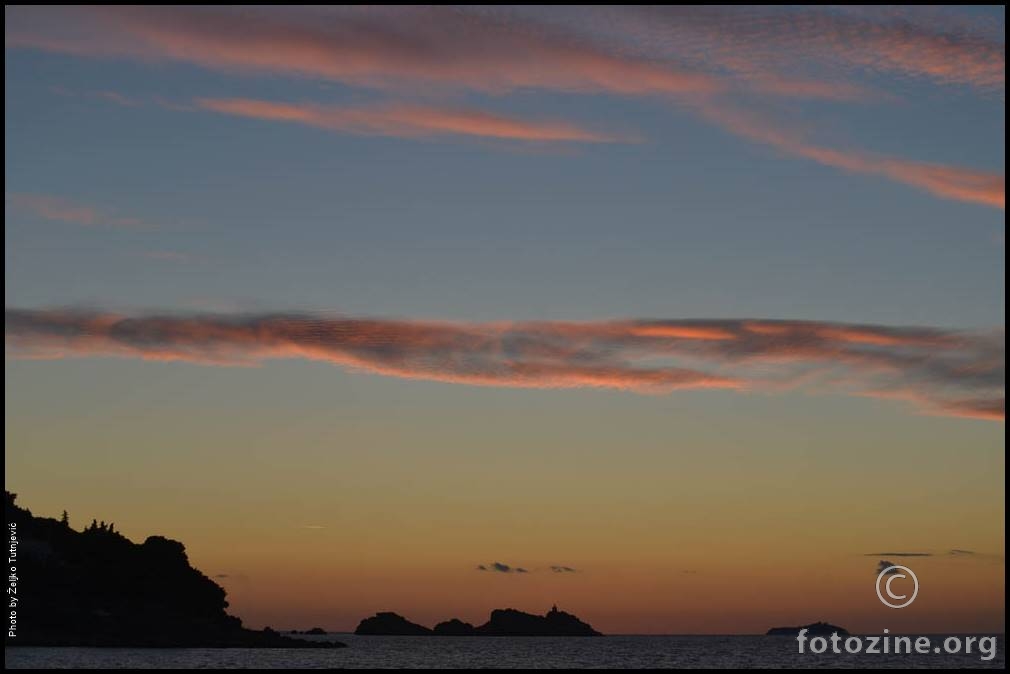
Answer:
(948, 182)
(691, 54)
(502, 50)
(409, 121)
(375, 47)
(943, 372)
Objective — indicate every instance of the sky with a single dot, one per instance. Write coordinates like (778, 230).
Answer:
(693, 314)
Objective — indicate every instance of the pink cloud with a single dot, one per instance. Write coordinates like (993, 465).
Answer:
(59, 209)
(948, 182)
(438, 46)
(409, 121)
(695, 55)
(942, 372)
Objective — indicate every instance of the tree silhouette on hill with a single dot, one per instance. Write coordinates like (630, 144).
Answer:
(98, 588)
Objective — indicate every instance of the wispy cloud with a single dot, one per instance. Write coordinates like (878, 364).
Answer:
(671, 50)
(944, 372)
(700, 56)
(410, 121)
(173, 256)
(58, 209)
(499, 567)
(119, 99)
(947, 182)
(952, 552)
(373, 47)
(944, 47)
(964, 556)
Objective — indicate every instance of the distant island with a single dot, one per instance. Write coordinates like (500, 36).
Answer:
(389, 623)
(97, 588)
(813, 629)
(506, 622)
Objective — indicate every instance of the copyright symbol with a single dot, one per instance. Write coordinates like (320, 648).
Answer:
(884, 580)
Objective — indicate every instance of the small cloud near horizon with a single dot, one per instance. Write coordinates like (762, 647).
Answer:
(499, 567)
(952, 552)
(955, 553)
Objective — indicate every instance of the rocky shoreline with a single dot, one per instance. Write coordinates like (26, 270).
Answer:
(97, 588)
(502, 622)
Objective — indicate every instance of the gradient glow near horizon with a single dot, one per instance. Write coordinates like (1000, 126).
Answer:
(694, 315)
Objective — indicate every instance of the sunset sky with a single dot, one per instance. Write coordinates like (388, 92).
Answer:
(693, 314)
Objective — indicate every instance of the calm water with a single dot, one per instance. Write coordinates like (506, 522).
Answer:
(427, 652)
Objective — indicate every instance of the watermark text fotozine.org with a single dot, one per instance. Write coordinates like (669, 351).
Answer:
(899, 645)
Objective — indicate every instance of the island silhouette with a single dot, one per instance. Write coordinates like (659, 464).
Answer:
(503, 622)
(97, 588)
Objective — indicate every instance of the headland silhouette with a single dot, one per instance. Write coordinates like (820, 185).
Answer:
(97, 588)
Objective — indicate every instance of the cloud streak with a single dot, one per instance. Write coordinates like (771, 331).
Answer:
(946, 48)
(959, 553)
(499, 567)
(698, 56)
(942, 372)
(630, 51)
(58, 209)
(378, 48)
(947, 182)
(409, 121)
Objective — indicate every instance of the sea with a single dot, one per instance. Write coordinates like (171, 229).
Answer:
(610, 652)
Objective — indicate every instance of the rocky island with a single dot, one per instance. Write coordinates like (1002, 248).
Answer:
(387, 623)
(95, 587)
(507, 622)
(817, 629)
